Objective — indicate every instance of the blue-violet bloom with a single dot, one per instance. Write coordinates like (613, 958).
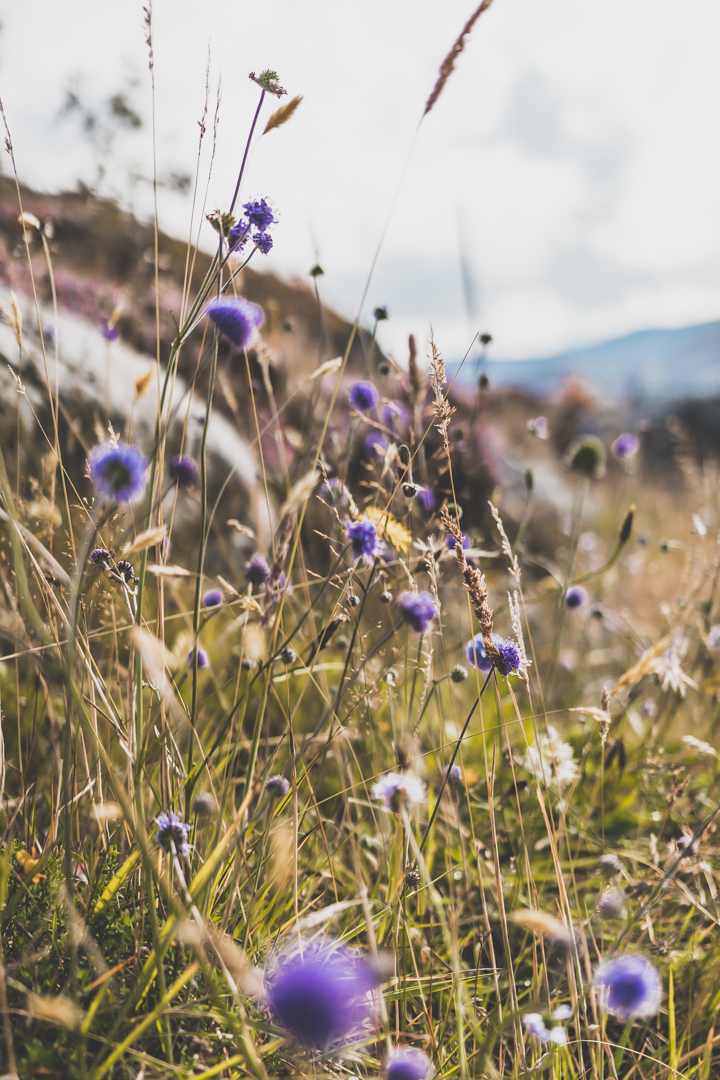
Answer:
(259, 214)
(418, 610)
(363, 536)
(453, 774)
(399, 789)
(363, 396)
(237, 320)
(631, 986)
(203, 660)
(172, 833)
(213, 598)
(575, 597)
(257, 571)
(405, 1063)
(625, 446)
(277, 787)
(450, 541)
(118, 471)
(185, 470)
(322, 995)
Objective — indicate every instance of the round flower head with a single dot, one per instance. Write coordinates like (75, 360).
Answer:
(631, 986)
(609, 865)
(399, 789)
(185, 470)
(625, 446)
(427, 498)
(459, 673)
(100, 557)
(454, 774)
(277, 787)
(212, 598)
(237, 237)
(118, 472)
(203, 661)
(418, 610)
(450, 541)
(257, 571)
(172, 833)
(126, 570)
(263, 242)
(259, 214)
(508, 662)
(363, 396)
(587, 457)
(406, 1064)
(575, 597)
(204, 804)
(322, 995)
(237, 320)
(364, 539)
(612, 903)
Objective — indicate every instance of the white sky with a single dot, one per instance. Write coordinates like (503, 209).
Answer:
(572, 161)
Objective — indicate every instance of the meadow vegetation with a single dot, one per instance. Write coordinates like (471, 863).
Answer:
(414, 785)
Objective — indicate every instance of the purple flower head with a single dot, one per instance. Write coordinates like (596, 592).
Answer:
(376, 444)
(263, 242)
(418, 610)
(100, 557)
(237, 237)
(277, 787)
(407, 1064)
(575, 597)
(427, 498)
(395, 417)
(365, 542)
(631, 986)
(237, 320)
(399, 789)
(257, 571)
(625, 446)
(110, 333)
(172, 833)
(450, 541)
(454, 774)
(612, 903)
(363, 396)
(118, 472)
(259, 214)
(185, 470)
(322, 995)
(126, 570)
(203, 660)
(213, 598)
(508, 663)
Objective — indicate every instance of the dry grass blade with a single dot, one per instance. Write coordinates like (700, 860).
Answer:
(55, 1010)
(300, 492)
(282, 115)
(645, 666)
(2, 760)
(145, 540)
(142, 384)
(448, 64)
(540, 922)
(168, 571)
(327, 368)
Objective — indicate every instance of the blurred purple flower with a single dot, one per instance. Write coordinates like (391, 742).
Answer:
(212, 598)
(203, 660)
(404, 1063)
(172, 833)
(277, 787)
(631, 986)
(575, 597)
(625, 446)
(259, 214)
(364, 539)
(538, 427)
(257, 571)
(376, 444)
(450, 541)
(237, 320)
(418, 610)
(399, 789)
(184, 470)
(363, 396)
(322, 995)
(118, 471)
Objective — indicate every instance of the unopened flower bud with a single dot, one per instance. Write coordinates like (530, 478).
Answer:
(459, 673)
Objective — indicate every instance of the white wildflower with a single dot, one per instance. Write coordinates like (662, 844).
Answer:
(551, 758)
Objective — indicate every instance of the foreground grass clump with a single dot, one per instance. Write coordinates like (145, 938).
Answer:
(379, 796)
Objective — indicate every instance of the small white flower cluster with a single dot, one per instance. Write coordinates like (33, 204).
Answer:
(551, 759)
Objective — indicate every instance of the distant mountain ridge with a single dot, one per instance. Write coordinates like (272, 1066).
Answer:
(651, 365)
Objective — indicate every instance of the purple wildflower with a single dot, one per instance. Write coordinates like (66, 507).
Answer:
(172, 833)
(625, 446)
(126, 570)
(277, 787)
(213, 598)
(263, 242)
(363, 396)
(575, 597)
(538, 427)
(118, 471)
(322, 995)
(535, 1024)
(453, 774)
(259, 214)
(237, 237)
(427, 498)
(509, 661)
(100, 557)
(418, 610)
(110, 333)
(257, 571)
(399, 789)
(395, 417)
(631, 986)
(237, 320)
(185, 470)
(407, 1064)
(203, 660)
(364, 539)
